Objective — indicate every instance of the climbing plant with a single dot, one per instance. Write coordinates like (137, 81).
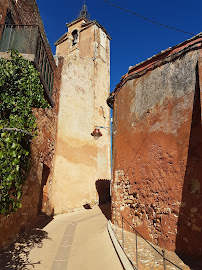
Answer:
(20, 91)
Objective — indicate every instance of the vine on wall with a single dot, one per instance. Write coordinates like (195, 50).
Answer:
(20, 91)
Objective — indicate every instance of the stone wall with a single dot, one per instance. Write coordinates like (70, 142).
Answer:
(157, 151)
(37, 188)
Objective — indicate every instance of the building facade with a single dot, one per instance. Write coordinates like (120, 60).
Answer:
(81, 161)
(36, 192)
(157, 148)
(69, 169)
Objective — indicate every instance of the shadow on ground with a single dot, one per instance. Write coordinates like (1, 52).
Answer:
(17, 255)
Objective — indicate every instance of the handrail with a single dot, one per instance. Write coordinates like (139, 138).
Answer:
(137, 233)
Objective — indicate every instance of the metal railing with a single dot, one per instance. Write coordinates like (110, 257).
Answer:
(27, 39)
(132, 243)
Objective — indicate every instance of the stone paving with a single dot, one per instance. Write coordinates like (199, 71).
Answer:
(146, 257)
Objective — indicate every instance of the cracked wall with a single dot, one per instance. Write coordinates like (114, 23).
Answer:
(157, 179)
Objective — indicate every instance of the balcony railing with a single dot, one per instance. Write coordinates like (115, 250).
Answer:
(27, 39)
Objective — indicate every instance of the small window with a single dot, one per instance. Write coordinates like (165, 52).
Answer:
(75, 37)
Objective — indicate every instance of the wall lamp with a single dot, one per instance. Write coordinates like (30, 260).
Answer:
(96, 132)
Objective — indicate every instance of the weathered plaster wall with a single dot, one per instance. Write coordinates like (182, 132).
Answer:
(37, 188)
(80, 161)
(156, 159)
(25, 217)
(190, 215)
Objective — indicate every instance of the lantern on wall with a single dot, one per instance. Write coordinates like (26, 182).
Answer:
(96, 133)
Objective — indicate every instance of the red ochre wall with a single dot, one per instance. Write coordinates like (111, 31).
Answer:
(37, 190)
(157, 154)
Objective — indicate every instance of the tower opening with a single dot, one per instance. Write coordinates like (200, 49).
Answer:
(75, 36)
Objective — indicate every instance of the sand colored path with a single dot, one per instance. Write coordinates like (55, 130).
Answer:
(74, 241)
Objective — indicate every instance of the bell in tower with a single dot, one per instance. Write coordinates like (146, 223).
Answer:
(84, 12)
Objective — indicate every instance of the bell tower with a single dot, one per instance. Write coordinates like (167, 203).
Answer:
(80, 161)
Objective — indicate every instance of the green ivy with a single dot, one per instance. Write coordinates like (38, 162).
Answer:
(20, 91)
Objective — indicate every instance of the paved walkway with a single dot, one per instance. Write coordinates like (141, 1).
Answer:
(74, 241)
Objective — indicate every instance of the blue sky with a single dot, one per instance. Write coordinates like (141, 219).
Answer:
(133, 39)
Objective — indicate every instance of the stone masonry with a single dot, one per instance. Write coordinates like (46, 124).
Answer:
(157, 148)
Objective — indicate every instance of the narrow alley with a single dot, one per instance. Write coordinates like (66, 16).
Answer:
(72, 241)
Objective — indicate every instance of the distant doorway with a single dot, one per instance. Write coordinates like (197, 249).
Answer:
(43, 199)
(103, 189)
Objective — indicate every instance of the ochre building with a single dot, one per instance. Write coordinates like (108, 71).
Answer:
(157, 148)
(80, 161)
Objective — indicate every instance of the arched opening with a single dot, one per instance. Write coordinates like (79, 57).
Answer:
(75, 36)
